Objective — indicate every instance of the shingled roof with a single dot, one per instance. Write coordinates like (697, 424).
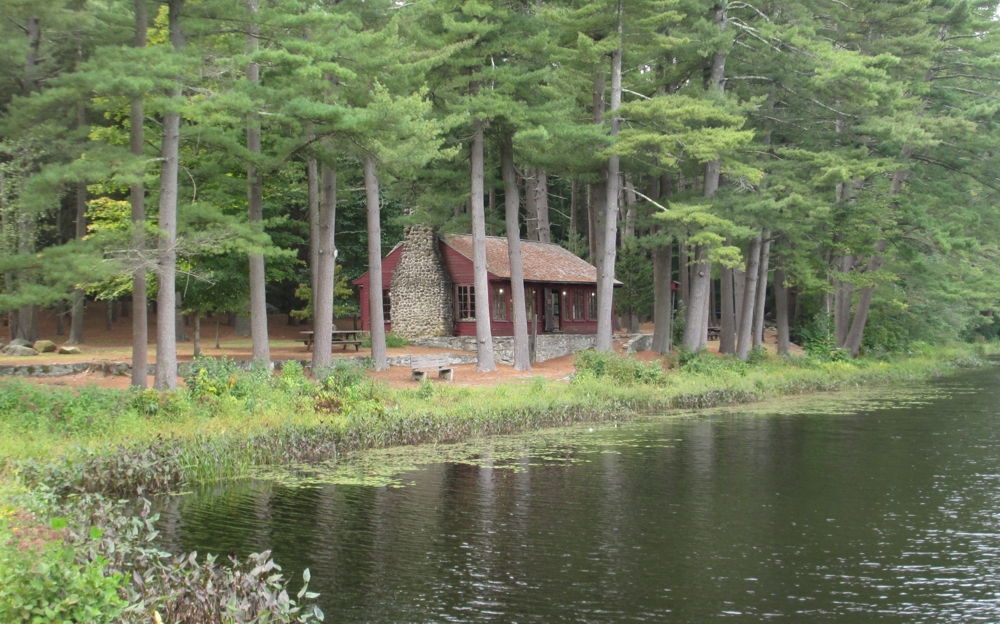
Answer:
(543, 262)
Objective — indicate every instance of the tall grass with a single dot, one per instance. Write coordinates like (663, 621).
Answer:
(229, 422)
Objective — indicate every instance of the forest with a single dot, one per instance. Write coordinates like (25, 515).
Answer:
(826, 164)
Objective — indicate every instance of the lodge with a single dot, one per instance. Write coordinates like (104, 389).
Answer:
(428, 287)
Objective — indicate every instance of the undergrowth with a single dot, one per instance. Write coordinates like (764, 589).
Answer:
(65, 450)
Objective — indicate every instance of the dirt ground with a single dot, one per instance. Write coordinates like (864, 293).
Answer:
(286, 344)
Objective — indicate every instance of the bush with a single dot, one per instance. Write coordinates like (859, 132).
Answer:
(620, 368)
(41, 581)
(342, 375)
(27, 407)
(211, 377)
(704, 363)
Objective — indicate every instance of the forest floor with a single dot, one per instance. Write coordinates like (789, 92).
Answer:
(102, 344)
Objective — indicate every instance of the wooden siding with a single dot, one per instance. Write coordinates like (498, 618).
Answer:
(459, 268)
(389, 264)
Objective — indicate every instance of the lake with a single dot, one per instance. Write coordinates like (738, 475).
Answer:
(881, 504)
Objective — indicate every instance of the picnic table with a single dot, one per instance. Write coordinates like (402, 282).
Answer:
(340, 337)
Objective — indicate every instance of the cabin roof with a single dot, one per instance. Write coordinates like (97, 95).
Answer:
(543, 262)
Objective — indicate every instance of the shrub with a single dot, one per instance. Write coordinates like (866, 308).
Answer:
(211, 377)
(41, 580)
(623, 369)
(704, 363)
(27, 407)
(757, 355)
(343, 374)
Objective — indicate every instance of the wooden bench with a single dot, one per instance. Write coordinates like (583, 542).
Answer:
(420, 365)
(356, 343)
(714, 333)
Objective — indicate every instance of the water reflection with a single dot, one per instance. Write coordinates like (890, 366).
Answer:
(881, 504)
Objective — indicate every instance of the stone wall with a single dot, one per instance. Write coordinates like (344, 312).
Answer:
(421, 292)
(547, 346)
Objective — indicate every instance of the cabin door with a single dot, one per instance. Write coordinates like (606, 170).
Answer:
(553, 315)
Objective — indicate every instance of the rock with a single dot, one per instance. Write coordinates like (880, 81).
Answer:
(19, 342)
(19, 350)
(44, 346)
(64, 350)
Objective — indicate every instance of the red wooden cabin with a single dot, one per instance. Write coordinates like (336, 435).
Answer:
(560, 286)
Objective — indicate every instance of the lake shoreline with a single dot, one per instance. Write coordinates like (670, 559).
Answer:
(84, 484)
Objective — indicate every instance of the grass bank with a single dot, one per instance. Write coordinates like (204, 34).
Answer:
(71, 551)
(227, 422)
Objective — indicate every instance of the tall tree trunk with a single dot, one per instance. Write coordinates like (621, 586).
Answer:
(492, 208)
(325, 272)
(312, 191)
(60, 312)
(727, 331)
(137, 197)
(842, 298)
(542, 205)
(76, 317)
(694, 323)
(522, 355)
(197, 333)
(663, 256)
(856, 332)
(630, 201)
(531, 202)
(375, 313)
(166, 299)
(606, 276)
(739, 292)
(596, 191)
(745, 330)
(758, 310)
(684, 273)
(592, 193)
(484, 335)
(255, 204)
(573, 227)
(781, 311)
(716, 85)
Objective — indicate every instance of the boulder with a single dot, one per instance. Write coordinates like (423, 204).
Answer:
(19, 350)
(19, 342)
(64, 350)
(44, 346)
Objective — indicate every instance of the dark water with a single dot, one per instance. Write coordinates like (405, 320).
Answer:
(852, 507)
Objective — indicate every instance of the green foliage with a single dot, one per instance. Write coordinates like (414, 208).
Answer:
(634, 270)
(621, 369)
(45, 584)
(211, 377)
(25, 408)
(704, 363)
(392, 340)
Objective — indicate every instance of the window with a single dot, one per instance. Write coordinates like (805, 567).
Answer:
(386, 306)
(592, 306)
(576, 309)
(499, 303)
(466, 300)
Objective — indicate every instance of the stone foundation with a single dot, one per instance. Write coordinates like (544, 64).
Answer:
(421, 292)
(547, 346)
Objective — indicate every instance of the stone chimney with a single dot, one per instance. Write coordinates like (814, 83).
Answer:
(421, 292)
